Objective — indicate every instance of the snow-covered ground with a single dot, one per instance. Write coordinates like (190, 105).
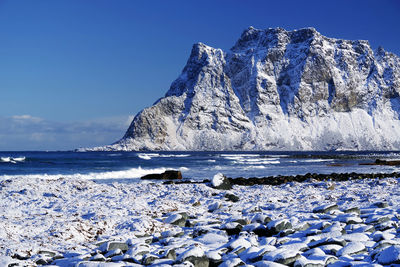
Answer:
(42, 220)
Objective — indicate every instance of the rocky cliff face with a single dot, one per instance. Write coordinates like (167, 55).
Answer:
(276, 90)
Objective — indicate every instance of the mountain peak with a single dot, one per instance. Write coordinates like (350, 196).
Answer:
(276, 90)
(253, 38)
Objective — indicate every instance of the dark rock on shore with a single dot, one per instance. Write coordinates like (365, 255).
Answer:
(280, 179)
(383, 162)
(231, 197)
(167, 175)
(277, 180)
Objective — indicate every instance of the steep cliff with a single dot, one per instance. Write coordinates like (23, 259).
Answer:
(276, 90)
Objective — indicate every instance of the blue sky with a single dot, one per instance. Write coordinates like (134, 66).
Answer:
(73, 72)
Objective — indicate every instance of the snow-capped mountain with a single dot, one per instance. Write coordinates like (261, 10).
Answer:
(276, 90)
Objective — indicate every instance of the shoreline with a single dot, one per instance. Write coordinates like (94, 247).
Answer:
(282, 179)
(62, 222)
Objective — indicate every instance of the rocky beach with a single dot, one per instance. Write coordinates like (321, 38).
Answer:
(315, 222)
(175, 133)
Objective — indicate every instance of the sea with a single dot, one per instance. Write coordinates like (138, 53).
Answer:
(128, 167)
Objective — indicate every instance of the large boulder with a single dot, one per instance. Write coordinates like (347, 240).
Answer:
(167, 175)
(219, 181)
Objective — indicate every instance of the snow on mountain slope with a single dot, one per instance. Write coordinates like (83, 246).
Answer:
(276, 90)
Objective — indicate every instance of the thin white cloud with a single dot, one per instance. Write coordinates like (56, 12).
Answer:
(26, 132)
(26, 118)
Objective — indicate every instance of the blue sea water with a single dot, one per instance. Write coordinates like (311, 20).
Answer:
(130, 166)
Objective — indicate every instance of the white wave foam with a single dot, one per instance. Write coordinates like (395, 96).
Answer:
(219, 167)
(133, 173)
(316, 160)
(148, 156)
(19, 159)
(114, 155)
(144, 156)
(12, 160)
(234, 157)
(255, 167)
(5, 159)
(124, 174)
(251, 159)
(240, 155)
(257, 161)
(174, 156)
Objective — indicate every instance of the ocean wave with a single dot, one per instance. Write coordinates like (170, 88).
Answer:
(144, 156)
(149, 156)
(254, 167)
(316, 160)
(174, 155)
(114, 155)
(239, 155)
(264, 162)
(133, 173)
(12, 160)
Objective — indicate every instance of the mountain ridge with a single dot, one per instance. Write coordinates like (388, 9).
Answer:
(276, 90)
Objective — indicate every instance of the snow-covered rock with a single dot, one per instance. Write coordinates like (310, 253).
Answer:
(390, 255)
(219, 181)
(276, 90)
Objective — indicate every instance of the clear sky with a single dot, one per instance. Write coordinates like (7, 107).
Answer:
(74, 72)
